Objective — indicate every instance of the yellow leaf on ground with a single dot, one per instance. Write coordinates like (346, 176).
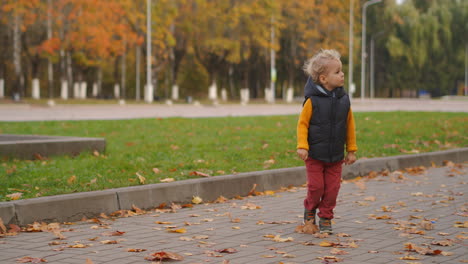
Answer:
(167, 180)
(197, 200)
(141, 178)
(14, 196)
(71, 180)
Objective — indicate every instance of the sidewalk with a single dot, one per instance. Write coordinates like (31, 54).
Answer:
(24, 112)
(435, 194)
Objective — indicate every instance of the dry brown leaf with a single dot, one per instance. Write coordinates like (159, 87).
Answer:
(167, 180)
(14, 196)
(180, 230)
(444, 243)
(408, 257)
(141, 179)
(421, 250)
(3, 228)
(198, 173)
(252, 191)
(329, 259)
(326, 243)
(221, 199)
(30, 260)
(114, 233)
(250, 206)
(336, 251)
(156, 170)
(109, 242)
(197, 200)
(307, 228)
(89, 261)
(227, 250)
(136, 249)
(164, 255)
(71, 180)
(79, 246)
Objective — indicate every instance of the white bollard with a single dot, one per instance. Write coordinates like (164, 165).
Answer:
(268, 95)
(224, 95)
(116, 91)
(2, 88)
(95, 90)
(36, 89)
(245, 96)
(213, 91)
(175, 92)
(149, 94)
(83, 90)
(289, 95)
(64, 90)
(76, 90)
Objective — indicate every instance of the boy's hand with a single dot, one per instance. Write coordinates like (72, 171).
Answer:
(302, 153)
(350, 158)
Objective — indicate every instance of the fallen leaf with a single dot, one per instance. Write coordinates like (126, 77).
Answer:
(164, 255)
(444, 243)
(89, 261)
(141, 178)
(408, 257)
(329, 259)
(2, 227)
(198, 173)
(227, 250)
(326, 243)
(14, 196)
(136, 250)
(78, 246)
(180, 230)
(250, 206)
(221, 199)
(252, 191)
(156, 170)
(167, 180)
(185, 238)
(197, 200)
(71, 180)
(30, 260)
(114, 233)
(421, 250)
(278, 238)
(109, 242)
(336, 251)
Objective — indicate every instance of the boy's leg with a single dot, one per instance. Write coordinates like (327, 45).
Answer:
(315, 183)
(332, 182)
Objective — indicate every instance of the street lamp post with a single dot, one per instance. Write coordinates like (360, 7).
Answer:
(149, 86)
(363, 46)
(351, 34)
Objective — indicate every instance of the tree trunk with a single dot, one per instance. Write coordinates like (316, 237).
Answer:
(17, 58)
(138, 58)
(49, 63)
(123, 74)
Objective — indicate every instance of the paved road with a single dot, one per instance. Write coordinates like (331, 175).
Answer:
(435, 194)
(15, 112)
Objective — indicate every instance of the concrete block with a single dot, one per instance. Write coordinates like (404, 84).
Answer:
(68, 207)
(26, 146)
(377, 165)
(150, 196)
(7, 213)
(438, 157)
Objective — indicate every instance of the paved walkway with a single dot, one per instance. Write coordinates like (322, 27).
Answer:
(24, 112)
(255, 227)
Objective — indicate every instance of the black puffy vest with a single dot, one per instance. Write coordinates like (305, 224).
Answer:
(327, 127)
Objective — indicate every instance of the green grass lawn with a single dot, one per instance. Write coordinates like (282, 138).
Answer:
(216, 146)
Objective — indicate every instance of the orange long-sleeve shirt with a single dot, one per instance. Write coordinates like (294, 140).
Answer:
(303, 128)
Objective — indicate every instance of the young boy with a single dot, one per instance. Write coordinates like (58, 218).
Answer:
(325, 125)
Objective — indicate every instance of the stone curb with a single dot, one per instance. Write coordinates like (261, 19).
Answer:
(28, 146)
(73, 207)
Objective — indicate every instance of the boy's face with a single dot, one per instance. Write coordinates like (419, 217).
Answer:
(334, 76)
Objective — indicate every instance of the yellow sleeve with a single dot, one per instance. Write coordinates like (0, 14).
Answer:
(351, 133)
(303, 125)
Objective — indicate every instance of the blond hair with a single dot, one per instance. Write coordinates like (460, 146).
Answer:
(318, 63)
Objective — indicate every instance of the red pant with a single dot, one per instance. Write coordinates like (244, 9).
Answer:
(323, 184)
